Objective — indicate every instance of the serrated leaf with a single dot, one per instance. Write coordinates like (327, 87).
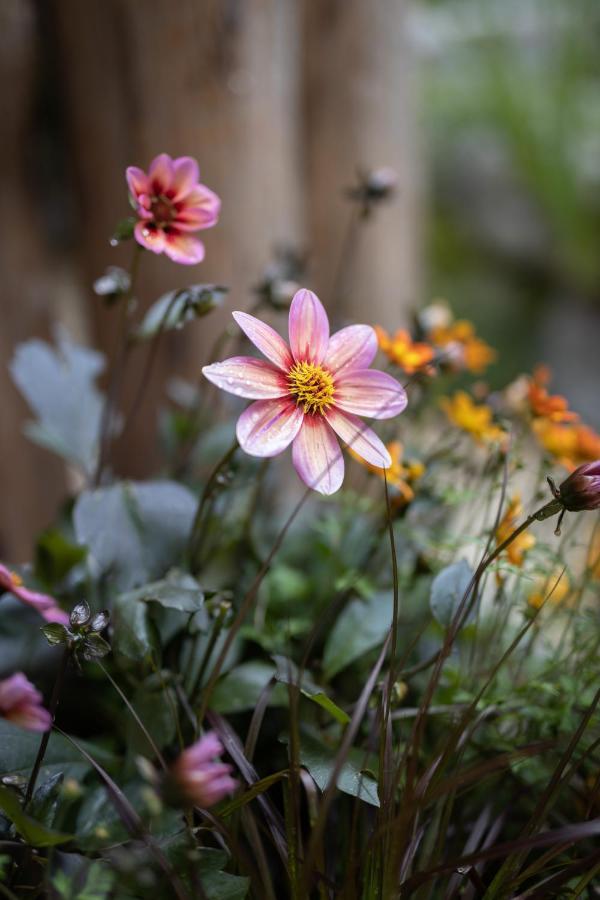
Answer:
(178, 590)
(448, 589)
(360, 627)
(45, 800)
(177, 308)
(59, 385)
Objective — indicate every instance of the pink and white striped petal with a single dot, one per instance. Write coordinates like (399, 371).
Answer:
(202, 197)
(182, 248)
(368, 392)
(317, 456)
(267, 427)
(245, 376)
(195, 218)
(185, 176)
(360, 437)
(308, 328)
(353, 347)
(266, 339)
(160, 173)
(137, 181)
(150, 237)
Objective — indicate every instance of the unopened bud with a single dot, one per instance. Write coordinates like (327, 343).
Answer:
(581, 490)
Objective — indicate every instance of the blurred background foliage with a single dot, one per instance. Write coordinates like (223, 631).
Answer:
(510, 106)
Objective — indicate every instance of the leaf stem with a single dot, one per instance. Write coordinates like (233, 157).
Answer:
(54, 700)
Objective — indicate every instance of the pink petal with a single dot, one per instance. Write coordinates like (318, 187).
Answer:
(203, 198)
(185, 176)
(309, 328)
(160, 173)
(182, 248)
(149, 237)
(137, 181)
(368, 392)
(15, 690)
(205, 749)
(196, 217)
(360, 437)
(317, 456)
(353, 347)
(55, 614)
(267, 427)
(271, 344)
(247, 377)
(33, 718)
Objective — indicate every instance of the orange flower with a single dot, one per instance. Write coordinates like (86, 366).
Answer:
(404, 352)
(554, 589)
(551, 406)
(516, 551)
(400, 476)
(470, 351)
(571, 445)
(475, 419)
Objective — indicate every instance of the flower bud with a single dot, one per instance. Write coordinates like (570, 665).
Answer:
(197, 777)
(581, 490)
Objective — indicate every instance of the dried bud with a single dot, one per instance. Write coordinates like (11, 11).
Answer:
(80, 615)
(581, 490)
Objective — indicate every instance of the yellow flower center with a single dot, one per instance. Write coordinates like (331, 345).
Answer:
(312, 387)
(16, 579)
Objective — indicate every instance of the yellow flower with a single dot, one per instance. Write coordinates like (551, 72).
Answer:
(400, 476)
(570, 444)
(475, 419)
(404, 352)
(552, 589)
(473, 353)
(550, 406)
(516, 551)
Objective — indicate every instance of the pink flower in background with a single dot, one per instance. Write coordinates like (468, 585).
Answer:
(200, 779)
(45, 605)
(21, 704)
(171, 205)
(310, 392)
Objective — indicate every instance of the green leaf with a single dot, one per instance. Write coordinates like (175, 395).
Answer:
(59, 386)
(33, 832)
(45, 800)
(178, 591)
(56, 556)
(447, 590)
(319, 758)
(132, 635)
(240, 689)
(124, 230)
(360, 627)
(287, 672)
(95, 647)
(177, 308)
(55, 633)
(18, 750)
(135, 531)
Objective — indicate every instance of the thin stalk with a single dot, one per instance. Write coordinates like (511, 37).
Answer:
(197, 533)
(134, 714)
(117, 369)
(54, 700)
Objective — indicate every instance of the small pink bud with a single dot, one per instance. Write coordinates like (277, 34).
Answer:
(21, 704)
(199, 777)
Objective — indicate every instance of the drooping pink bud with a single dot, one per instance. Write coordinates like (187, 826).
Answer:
(21, 704)
(199, 777)
(581, 490)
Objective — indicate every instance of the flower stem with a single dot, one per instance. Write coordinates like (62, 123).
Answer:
(197, 533)
(117, 369)
(60, 677)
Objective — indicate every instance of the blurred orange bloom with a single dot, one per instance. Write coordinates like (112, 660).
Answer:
(474, 418)
(404, 352)
(474, 354)
(558, 583)
(516, 551)
(551, 406)
(570, 444)
(400, 476)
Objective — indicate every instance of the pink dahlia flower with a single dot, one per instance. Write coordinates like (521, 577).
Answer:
(310, 392)
(171, 205)
(21, 704)
(45, 605)
(199, 778)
